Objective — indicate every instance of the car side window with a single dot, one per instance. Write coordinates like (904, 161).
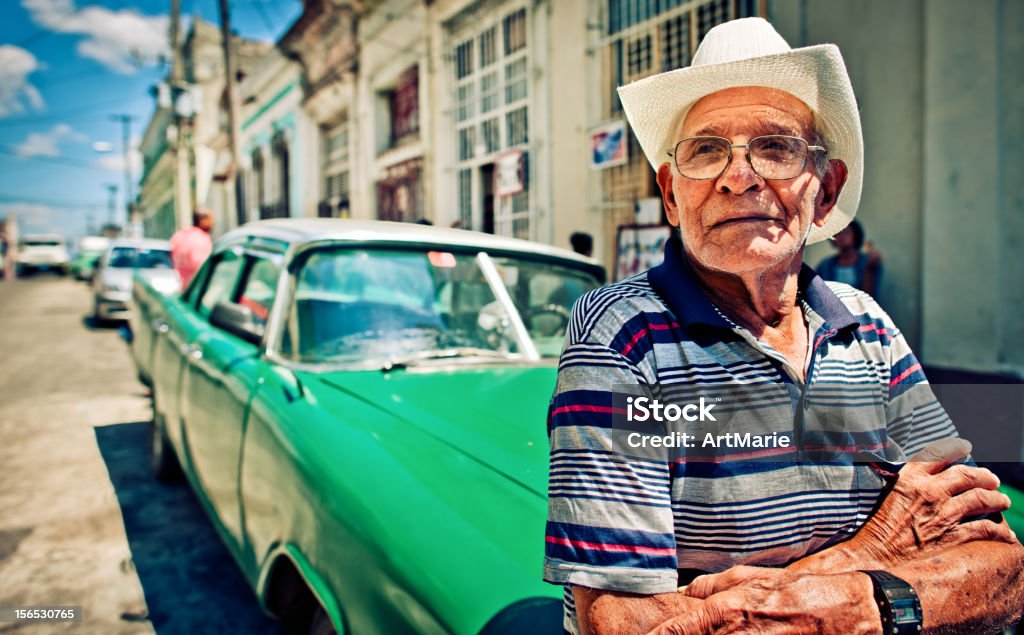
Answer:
(220, 284)
(191, 292)
(259, 287)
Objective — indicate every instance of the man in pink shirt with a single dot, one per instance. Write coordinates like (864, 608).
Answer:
(191, 246)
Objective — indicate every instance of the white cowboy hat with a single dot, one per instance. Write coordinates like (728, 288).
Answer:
(749, 52)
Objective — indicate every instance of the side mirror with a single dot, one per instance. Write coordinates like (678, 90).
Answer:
(239, 320)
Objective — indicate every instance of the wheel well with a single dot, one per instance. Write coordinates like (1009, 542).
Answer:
(288, 597)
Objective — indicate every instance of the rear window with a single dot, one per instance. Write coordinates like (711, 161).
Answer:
(41, 243)
(135, 258)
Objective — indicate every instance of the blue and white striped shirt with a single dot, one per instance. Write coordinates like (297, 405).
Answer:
(623, 523)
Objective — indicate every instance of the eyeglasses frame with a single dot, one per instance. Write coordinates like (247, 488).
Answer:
(746, 146)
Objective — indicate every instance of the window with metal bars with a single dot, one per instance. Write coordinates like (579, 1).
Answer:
(466, 198)
(337, 144)
(258, 189)
(336, 195)
(516, 128)
(639, 56)
(405, 107)
(488, 47)
(467, 143)
(515, 80)
(464, 59)
(499, 81)
(465, 103)
(489, 92)
(491, 131)
(514, 28)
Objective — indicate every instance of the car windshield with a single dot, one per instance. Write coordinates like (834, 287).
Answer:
(383, 306)
(139, 258)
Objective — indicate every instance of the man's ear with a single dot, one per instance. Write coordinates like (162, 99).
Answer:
(832, 183)
(668, 197)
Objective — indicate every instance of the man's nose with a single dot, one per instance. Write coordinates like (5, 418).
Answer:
(739, 175)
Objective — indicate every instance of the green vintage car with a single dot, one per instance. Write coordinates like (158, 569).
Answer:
(90, 250)
(361, 408)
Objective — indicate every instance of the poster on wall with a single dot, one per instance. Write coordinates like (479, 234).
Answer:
(608, 145)
(639, 247)
(509, 173)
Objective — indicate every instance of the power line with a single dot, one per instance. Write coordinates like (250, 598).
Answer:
(12, 198)
(81, 111)
(67, 161)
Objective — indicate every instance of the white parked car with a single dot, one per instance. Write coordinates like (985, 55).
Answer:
(112, 284)
(42, 252)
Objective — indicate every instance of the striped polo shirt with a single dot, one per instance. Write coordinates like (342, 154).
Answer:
(643, 525)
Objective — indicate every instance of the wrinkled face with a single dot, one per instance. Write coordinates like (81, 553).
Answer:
(740, 222)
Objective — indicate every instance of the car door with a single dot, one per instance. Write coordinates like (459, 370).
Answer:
(222, 374)
(174, 327)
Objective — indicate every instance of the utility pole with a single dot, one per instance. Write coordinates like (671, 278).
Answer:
(182, 172)
(111, 202)
(241, 215)
(129, 197)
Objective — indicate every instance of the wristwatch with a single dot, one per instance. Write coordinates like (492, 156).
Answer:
(897, 603)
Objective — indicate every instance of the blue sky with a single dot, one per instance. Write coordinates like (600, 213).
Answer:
(67, 66)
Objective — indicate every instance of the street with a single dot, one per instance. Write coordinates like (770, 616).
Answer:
(82, 521)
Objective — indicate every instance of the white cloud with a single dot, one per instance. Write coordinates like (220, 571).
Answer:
(34, 218)
(120, 40)
(47, 143)
(115, 162)
(16, 93)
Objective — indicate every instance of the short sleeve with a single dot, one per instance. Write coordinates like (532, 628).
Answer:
(610, 523)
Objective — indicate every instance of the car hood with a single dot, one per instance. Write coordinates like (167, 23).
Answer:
(492, 414)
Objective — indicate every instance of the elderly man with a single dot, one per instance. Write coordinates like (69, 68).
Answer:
(764, 154)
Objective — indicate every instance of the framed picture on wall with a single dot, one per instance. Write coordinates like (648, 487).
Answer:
(639, 247)
(609, 145)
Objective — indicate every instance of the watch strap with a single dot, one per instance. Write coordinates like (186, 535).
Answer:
(898, 604)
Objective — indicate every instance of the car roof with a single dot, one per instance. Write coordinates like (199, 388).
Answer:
(141, 243)
(41, 237)
(303, 230)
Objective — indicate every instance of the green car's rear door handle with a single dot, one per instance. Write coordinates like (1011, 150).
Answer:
(191, 351)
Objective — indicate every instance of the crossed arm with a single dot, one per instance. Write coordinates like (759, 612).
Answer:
(969, 574)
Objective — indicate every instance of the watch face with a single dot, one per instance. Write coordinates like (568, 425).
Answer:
(905, 612)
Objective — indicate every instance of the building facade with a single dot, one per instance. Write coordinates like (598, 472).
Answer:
(502, 116)
(279, 142)
(195, 107)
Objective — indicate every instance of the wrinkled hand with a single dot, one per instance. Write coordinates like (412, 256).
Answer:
(929, 507)
(770, 601)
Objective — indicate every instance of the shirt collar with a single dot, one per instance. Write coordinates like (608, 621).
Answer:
(677, 285)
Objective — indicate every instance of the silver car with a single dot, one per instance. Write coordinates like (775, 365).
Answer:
(112, 284)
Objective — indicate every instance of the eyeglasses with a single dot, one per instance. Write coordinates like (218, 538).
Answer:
(773, 157)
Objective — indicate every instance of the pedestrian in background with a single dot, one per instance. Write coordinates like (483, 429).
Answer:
(582, 243)
(191, 246)
(857, 263)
